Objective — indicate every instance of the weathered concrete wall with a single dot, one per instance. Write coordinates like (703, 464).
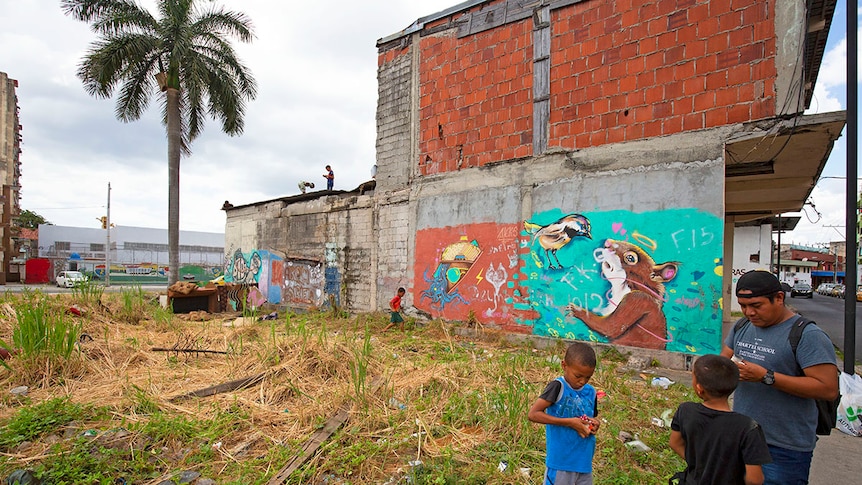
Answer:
(394, 118)
(311, 252)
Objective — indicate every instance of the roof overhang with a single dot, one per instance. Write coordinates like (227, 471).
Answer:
(774, 171)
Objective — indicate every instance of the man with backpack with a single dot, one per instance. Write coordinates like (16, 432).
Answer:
(780, 379)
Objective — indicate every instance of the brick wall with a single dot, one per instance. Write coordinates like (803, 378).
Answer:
(475, 105)
(629, 70)
(619, 71)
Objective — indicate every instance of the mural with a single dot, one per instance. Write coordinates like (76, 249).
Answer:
(468, 270)
(297, 282)
(650, 280)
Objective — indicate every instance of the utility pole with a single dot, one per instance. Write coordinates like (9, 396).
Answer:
(851, 190)
(108, 240)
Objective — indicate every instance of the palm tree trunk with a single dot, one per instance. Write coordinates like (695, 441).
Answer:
(174, 142)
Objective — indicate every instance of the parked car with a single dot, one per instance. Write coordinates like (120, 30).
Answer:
(825, 288)
(836, 290)
(801, 289)
(69, 279)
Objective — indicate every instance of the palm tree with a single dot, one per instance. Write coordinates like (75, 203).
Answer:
(184, 54)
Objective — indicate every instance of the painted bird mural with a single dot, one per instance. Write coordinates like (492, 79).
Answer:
(557, 234)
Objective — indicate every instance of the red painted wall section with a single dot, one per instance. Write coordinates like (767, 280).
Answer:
(628, 70)
(38, 271)
(466, 269)
(475, 98)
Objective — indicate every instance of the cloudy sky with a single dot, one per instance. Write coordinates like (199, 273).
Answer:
(316, 66)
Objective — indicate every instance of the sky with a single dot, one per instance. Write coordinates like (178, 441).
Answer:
(316, 68)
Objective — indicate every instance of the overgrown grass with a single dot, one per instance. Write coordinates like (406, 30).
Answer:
(88, 292)
(45, 339)
(458, 407)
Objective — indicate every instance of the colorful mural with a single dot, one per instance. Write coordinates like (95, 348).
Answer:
(295, 281)
(650, 280)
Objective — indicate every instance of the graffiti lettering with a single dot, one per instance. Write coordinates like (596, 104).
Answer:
(303, 283)
(680, 238)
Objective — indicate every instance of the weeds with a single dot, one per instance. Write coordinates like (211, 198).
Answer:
(45, 340)
(359, 367)
(134, 305)
(88, 292)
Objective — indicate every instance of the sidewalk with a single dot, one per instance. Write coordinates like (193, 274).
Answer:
(836, 459)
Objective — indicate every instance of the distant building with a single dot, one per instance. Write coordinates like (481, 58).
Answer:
(136, 251)
(10, 170)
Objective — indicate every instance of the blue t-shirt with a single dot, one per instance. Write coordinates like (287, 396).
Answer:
(788, 421)
(566, 450)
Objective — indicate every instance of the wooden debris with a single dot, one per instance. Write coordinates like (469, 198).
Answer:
(318, 438)
(224, 387)
(192, 351)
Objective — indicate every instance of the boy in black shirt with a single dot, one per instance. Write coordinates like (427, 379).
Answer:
(719, 446)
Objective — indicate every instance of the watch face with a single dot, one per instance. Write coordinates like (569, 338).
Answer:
(769, 378)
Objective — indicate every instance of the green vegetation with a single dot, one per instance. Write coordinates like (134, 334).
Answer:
(445, 409)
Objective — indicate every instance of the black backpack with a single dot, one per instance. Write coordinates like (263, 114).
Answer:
(827, 410)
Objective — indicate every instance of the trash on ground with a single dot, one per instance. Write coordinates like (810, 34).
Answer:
(662, 382)
(637, 445)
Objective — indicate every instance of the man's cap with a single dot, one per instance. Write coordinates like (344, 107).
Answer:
(757, 283)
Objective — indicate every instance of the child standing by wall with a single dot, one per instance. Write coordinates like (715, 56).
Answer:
(395, 307)
(567, 408)
(718, 445)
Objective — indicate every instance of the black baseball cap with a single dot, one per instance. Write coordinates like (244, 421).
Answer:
(757, 283)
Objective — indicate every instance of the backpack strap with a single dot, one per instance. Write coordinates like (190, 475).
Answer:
(739, 324)
(796, 335)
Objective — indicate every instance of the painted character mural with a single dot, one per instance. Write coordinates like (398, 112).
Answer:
(243, 271)
(633, 315)
(554, 236)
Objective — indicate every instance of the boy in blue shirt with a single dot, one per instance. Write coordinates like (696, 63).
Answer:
(567, 408)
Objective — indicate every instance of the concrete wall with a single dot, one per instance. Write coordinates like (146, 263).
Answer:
(752, 249)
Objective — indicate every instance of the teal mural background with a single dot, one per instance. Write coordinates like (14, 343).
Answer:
(692, 299)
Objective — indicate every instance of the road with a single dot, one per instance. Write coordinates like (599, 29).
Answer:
(828, 312)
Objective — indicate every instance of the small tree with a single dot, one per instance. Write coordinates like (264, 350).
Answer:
(30, 220)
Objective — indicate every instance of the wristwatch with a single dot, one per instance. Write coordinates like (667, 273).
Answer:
(768, 378)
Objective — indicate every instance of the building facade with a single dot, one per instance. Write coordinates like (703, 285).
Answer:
(10, 172)
(566, 168)
(134, 252)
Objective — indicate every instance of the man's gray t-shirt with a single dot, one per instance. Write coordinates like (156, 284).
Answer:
(788, 421)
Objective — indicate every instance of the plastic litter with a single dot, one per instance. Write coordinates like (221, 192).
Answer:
(396, 404)
(637, 445)
(657, 422)
(502, 466)
(525, 472)
(662, 382)
(19, 391)
(667, 417)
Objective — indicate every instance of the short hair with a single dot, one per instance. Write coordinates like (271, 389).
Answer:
(401, 289)
(581, 353)
(717, 374)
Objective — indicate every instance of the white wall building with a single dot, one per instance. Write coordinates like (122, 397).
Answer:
(85, 247)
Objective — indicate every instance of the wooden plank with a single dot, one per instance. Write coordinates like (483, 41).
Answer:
(318, 438)
(224, 387)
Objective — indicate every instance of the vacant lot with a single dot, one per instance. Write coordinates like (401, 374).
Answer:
(122, 391)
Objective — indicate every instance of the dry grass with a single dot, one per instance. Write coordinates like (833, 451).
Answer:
(463, 401)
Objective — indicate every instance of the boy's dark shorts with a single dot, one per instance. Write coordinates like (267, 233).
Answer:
(395, 317)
